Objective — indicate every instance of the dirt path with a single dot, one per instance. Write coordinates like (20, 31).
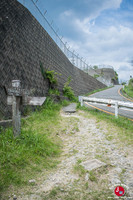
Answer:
(87, 143)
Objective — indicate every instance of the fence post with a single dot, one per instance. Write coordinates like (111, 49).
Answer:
(116, 109)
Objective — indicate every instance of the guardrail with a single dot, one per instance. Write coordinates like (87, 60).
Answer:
(109, 102)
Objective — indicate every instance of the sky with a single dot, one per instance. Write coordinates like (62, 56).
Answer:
(100, 31)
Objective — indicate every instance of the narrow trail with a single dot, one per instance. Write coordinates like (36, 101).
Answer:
(86, 140)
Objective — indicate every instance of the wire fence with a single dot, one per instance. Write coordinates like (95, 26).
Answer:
(48, 24)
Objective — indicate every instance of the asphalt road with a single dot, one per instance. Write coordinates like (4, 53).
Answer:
(111, 93)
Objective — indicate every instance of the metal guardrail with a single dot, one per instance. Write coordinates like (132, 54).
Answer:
(116, 103)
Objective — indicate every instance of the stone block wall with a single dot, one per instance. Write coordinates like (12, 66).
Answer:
(23, 45)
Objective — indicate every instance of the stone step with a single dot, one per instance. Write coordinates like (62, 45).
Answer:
(70, 108)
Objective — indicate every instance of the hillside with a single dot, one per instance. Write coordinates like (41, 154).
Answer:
(105, 75)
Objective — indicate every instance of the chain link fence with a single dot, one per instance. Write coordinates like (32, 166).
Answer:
(48, 24)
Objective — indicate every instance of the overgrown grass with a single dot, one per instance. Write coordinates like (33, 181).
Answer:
(23, 157)
(128, 89)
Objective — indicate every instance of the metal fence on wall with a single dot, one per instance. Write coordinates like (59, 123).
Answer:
(49, 25)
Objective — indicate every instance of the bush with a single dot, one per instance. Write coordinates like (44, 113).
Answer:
(50, 76)
(68, 92)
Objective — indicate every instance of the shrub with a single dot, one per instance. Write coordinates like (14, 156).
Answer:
(50, 76)
(68, 92)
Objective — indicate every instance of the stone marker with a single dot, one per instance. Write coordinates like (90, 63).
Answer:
(17, 97)
(92, 164)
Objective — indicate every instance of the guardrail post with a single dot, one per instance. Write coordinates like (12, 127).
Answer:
(81, 101)
(116, 109)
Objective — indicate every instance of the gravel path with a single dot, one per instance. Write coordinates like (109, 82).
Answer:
(91, 141)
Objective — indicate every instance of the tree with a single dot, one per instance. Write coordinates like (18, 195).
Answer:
(95, 67)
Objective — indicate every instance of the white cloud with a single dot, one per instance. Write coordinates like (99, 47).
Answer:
(111, 45)
(67, 13)
(95, 7)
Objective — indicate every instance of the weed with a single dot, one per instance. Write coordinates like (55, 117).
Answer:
(50, 75)
(65, 103)
(24, 157)
(54, 91)
(79, 168)
(92, 176)
(86, 185)
(128, 89)
(68, 92)
(96, 75)
(109, 137)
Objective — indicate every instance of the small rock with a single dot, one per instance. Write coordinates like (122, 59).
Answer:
(86, 177)
(14, 197)
(130, 184)
(32, 181)
(115, 181)
(119, 170)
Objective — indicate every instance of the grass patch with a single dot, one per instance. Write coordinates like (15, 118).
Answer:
(92, 176)
(128, 89)
(79, 191)
(23, 157)
(79, 168)
(123, 126)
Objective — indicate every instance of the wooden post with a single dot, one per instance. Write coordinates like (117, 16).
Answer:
(116, 109)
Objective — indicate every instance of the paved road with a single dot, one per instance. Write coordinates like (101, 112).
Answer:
(111, 93)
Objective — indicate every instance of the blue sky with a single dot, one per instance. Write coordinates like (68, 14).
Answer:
(100, 31)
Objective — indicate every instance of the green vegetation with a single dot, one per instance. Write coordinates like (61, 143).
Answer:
(116, 75)
(68, 92)
(92, 176)
(95, 188)
(38, 147)
(79, 168)
(83, 191)
(55, 91)
(96, 75)
(95, 67)
(52, 79)
(22, 158)
(128, 89)
(50, 75)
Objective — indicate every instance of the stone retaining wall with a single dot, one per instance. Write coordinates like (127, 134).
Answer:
(23, 45)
